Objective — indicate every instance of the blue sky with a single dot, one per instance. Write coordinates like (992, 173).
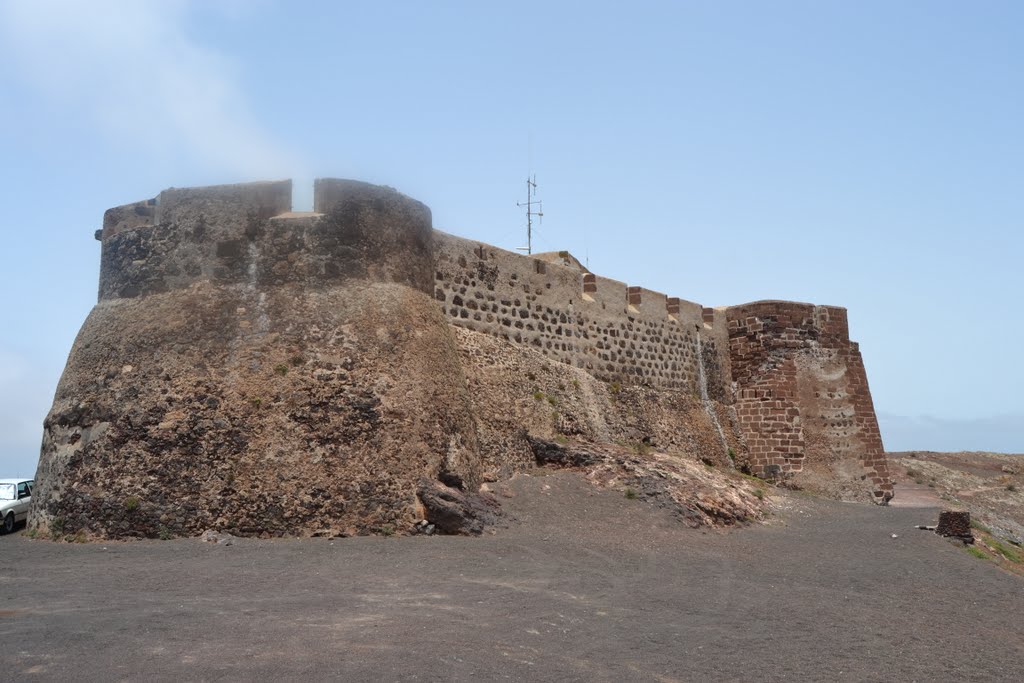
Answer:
(865, 154)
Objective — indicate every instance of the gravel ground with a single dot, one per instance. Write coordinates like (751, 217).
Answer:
(583, 584)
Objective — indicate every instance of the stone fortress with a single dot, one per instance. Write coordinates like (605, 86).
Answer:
(261, 371)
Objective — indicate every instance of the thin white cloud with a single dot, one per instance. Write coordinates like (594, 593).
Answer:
(133, 69)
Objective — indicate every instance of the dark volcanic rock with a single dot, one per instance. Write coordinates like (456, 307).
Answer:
(455, 512)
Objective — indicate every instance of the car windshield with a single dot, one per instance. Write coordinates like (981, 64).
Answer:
(6, 491)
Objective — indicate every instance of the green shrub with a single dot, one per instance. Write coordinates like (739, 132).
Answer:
(281, 369)
(631, 493)
(614, 387)
(131, 503)
(759, 494)
(164, 534)
(553, 400)
(732, 456)
(538, 396)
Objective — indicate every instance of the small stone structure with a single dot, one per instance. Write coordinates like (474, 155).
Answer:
(255, 370)
(955, 524)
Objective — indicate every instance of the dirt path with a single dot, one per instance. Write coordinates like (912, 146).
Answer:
(910, 495)
(586, 585)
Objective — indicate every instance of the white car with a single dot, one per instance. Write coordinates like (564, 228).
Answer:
(15, 498)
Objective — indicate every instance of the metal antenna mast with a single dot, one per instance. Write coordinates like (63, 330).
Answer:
(531, 201)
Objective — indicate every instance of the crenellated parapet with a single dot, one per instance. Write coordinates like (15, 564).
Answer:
(616, 332)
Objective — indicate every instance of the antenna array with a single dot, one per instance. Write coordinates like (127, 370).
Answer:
(530, 203)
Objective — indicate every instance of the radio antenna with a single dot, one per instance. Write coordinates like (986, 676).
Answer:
(530, 203)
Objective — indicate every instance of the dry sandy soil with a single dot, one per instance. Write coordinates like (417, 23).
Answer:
(582, 584)
(989, 485)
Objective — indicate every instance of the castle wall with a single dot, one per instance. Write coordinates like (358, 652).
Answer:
(268, 372)
(258, 371)
(802, 398)
(244, 234)
(617, 333)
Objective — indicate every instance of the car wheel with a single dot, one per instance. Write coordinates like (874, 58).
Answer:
(9, 523)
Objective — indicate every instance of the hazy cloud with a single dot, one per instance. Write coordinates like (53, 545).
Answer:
(1001, 434)
(23, 400)
(131, 67)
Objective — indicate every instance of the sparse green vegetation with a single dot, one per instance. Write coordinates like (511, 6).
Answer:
(164, 534)
(759, 494)
(1004, 550)
(281, 369)
(614, 388)
(131, 503)
(977, 552)
(641, 448)
(732, 455)
(576, 384)
(631, 493)
(387, 530)
(255, 402)
(553, 400)
(538, 396)
(561, 439)
(912, 473)
(975, 524)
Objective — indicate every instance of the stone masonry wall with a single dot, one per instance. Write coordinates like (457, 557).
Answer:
(803, 401)
(618, 334)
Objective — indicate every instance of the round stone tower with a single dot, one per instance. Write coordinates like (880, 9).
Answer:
(257, 371)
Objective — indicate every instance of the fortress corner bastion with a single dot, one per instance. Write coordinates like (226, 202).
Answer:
(269, 372)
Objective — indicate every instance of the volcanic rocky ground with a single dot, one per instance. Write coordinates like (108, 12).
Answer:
(580, 582)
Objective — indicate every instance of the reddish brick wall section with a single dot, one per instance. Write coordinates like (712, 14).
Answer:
(803, 401)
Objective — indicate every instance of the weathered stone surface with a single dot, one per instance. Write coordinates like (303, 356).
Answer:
(262, 372)
(455, 512)
(803, 402)
(699, 495)
(955, 524)
(283, 385)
